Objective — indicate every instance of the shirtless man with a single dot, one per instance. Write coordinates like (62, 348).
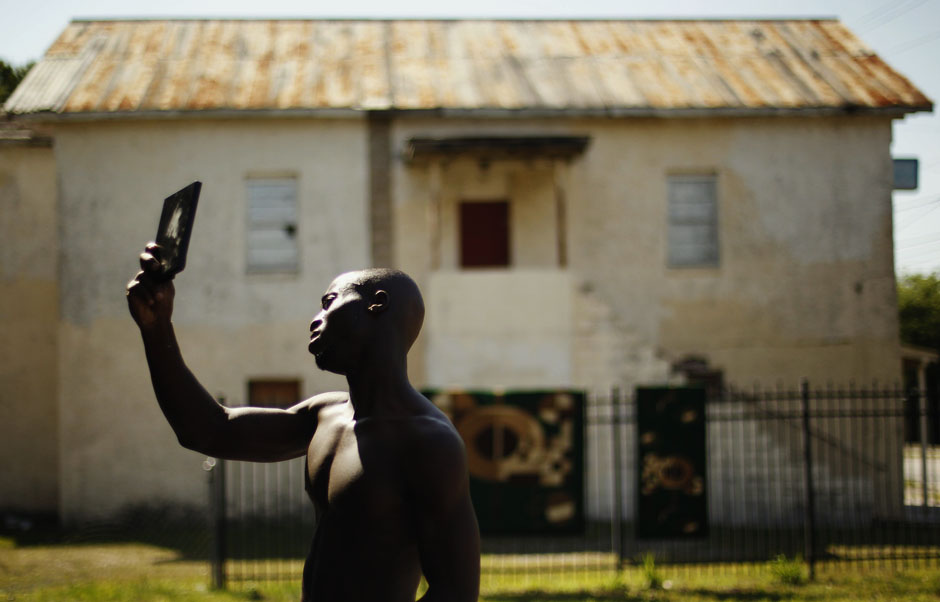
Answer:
(386, 471)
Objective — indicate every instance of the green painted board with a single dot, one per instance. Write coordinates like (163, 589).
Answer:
(671, 472)
(525, 452)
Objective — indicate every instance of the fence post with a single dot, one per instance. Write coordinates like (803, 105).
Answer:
(616, 445)
(922, 409)
(809, 512)
(216, 470)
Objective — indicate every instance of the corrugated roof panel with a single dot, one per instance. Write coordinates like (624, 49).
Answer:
(372, 66)
(657, 86)
(588, 92)
(94, 81)
(124, 93)
(596, 38)
(805, 48)
(465, 89)
(667, 40)
(409, 85)
(338, 85)
(703, 90)
(897, 84)
(517, 40)
(410, 40)
(614, 84)
(797, 70)
(561, 40)
(546, 83)
(129, 66)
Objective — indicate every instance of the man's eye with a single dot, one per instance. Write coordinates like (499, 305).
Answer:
(327, 301)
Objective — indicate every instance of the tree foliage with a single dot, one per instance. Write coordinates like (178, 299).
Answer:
(10, 78)
(919, 309)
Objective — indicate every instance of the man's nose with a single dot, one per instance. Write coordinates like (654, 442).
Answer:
(317, 321)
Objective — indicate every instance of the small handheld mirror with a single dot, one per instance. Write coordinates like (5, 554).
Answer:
(176, 225)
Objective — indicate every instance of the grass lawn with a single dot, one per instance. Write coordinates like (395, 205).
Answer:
(149, 573)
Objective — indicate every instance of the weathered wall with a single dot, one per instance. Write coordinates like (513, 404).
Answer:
(117, 449)
(805, 284)
(29, 323)
(479, 340)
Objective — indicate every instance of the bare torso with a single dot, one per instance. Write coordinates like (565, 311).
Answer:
(358, 475)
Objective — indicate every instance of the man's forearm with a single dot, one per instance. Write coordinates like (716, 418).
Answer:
(193, 413)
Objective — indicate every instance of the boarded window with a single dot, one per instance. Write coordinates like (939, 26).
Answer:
(693, 221)
(273, 393)
(484, 234)
(272, 225)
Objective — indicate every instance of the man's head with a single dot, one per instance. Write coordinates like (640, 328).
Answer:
(366, 316)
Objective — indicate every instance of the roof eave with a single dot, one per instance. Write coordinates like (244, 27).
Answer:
(482, 112)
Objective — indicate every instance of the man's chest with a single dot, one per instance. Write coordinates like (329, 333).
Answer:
(353, 469)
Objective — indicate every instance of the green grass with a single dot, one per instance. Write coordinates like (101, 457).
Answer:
(142, 572)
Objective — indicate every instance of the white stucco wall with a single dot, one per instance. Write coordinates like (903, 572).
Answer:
(29, 325)
(117, 449)
(476, 338)
(804, 287)
(805, 284)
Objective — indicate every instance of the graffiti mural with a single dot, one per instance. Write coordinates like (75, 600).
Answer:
(525, 455)
(671, 500)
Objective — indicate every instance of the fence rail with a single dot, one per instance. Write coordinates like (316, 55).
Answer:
(825, 474)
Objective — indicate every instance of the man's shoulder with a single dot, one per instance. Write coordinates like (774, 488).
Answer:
(432, 428)
(320, 401)
(435, 441)
(436, 465)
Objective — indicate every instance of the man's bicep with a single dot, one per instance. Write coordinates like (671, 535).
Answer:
(268, 434)
(450, 554)
(449, 538)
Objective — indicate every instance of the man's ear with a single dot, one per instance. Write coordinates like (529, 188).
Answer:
(379, 302)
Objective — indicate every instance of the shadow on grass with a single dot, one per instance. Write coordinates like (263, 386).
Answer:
(539, 596)
(181, 530)
(647, 595)
(748, 594)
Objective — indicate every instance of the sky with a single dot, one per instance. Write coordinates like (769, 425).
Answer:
(905, 33)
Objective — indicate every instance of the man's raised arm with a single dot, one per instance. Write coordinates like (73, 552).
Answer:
(199, 421)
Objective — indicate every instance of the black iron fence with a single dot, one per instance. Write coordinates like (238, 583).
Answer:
(828, 475)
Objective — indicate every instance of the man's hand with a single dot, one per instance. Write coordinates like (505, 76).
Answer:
(149, 294)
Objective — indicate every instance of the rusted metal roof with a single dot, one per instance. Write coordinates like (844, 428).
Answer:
(130, 68)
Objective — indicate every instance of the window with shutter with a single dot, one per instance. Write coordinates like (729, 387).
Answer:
(272, 225)
(693, 221)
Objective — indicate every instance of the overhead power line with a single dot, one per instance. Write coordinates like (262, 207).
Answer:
(908, 225)
(911, 44)
(899, 9)
(920, 244)
(877, 12)
(917, 240)
(926, 203)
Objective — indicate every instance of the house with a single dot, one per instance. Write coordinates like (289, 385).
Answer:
(584, 204)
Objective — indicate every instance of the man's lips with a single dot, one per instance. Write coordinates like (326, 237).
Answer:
(312, 345)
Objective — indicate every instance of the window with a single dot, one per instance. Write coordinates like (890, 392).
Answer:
(272, 225)
(484, 234)
(273, 393)
(693, 221)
